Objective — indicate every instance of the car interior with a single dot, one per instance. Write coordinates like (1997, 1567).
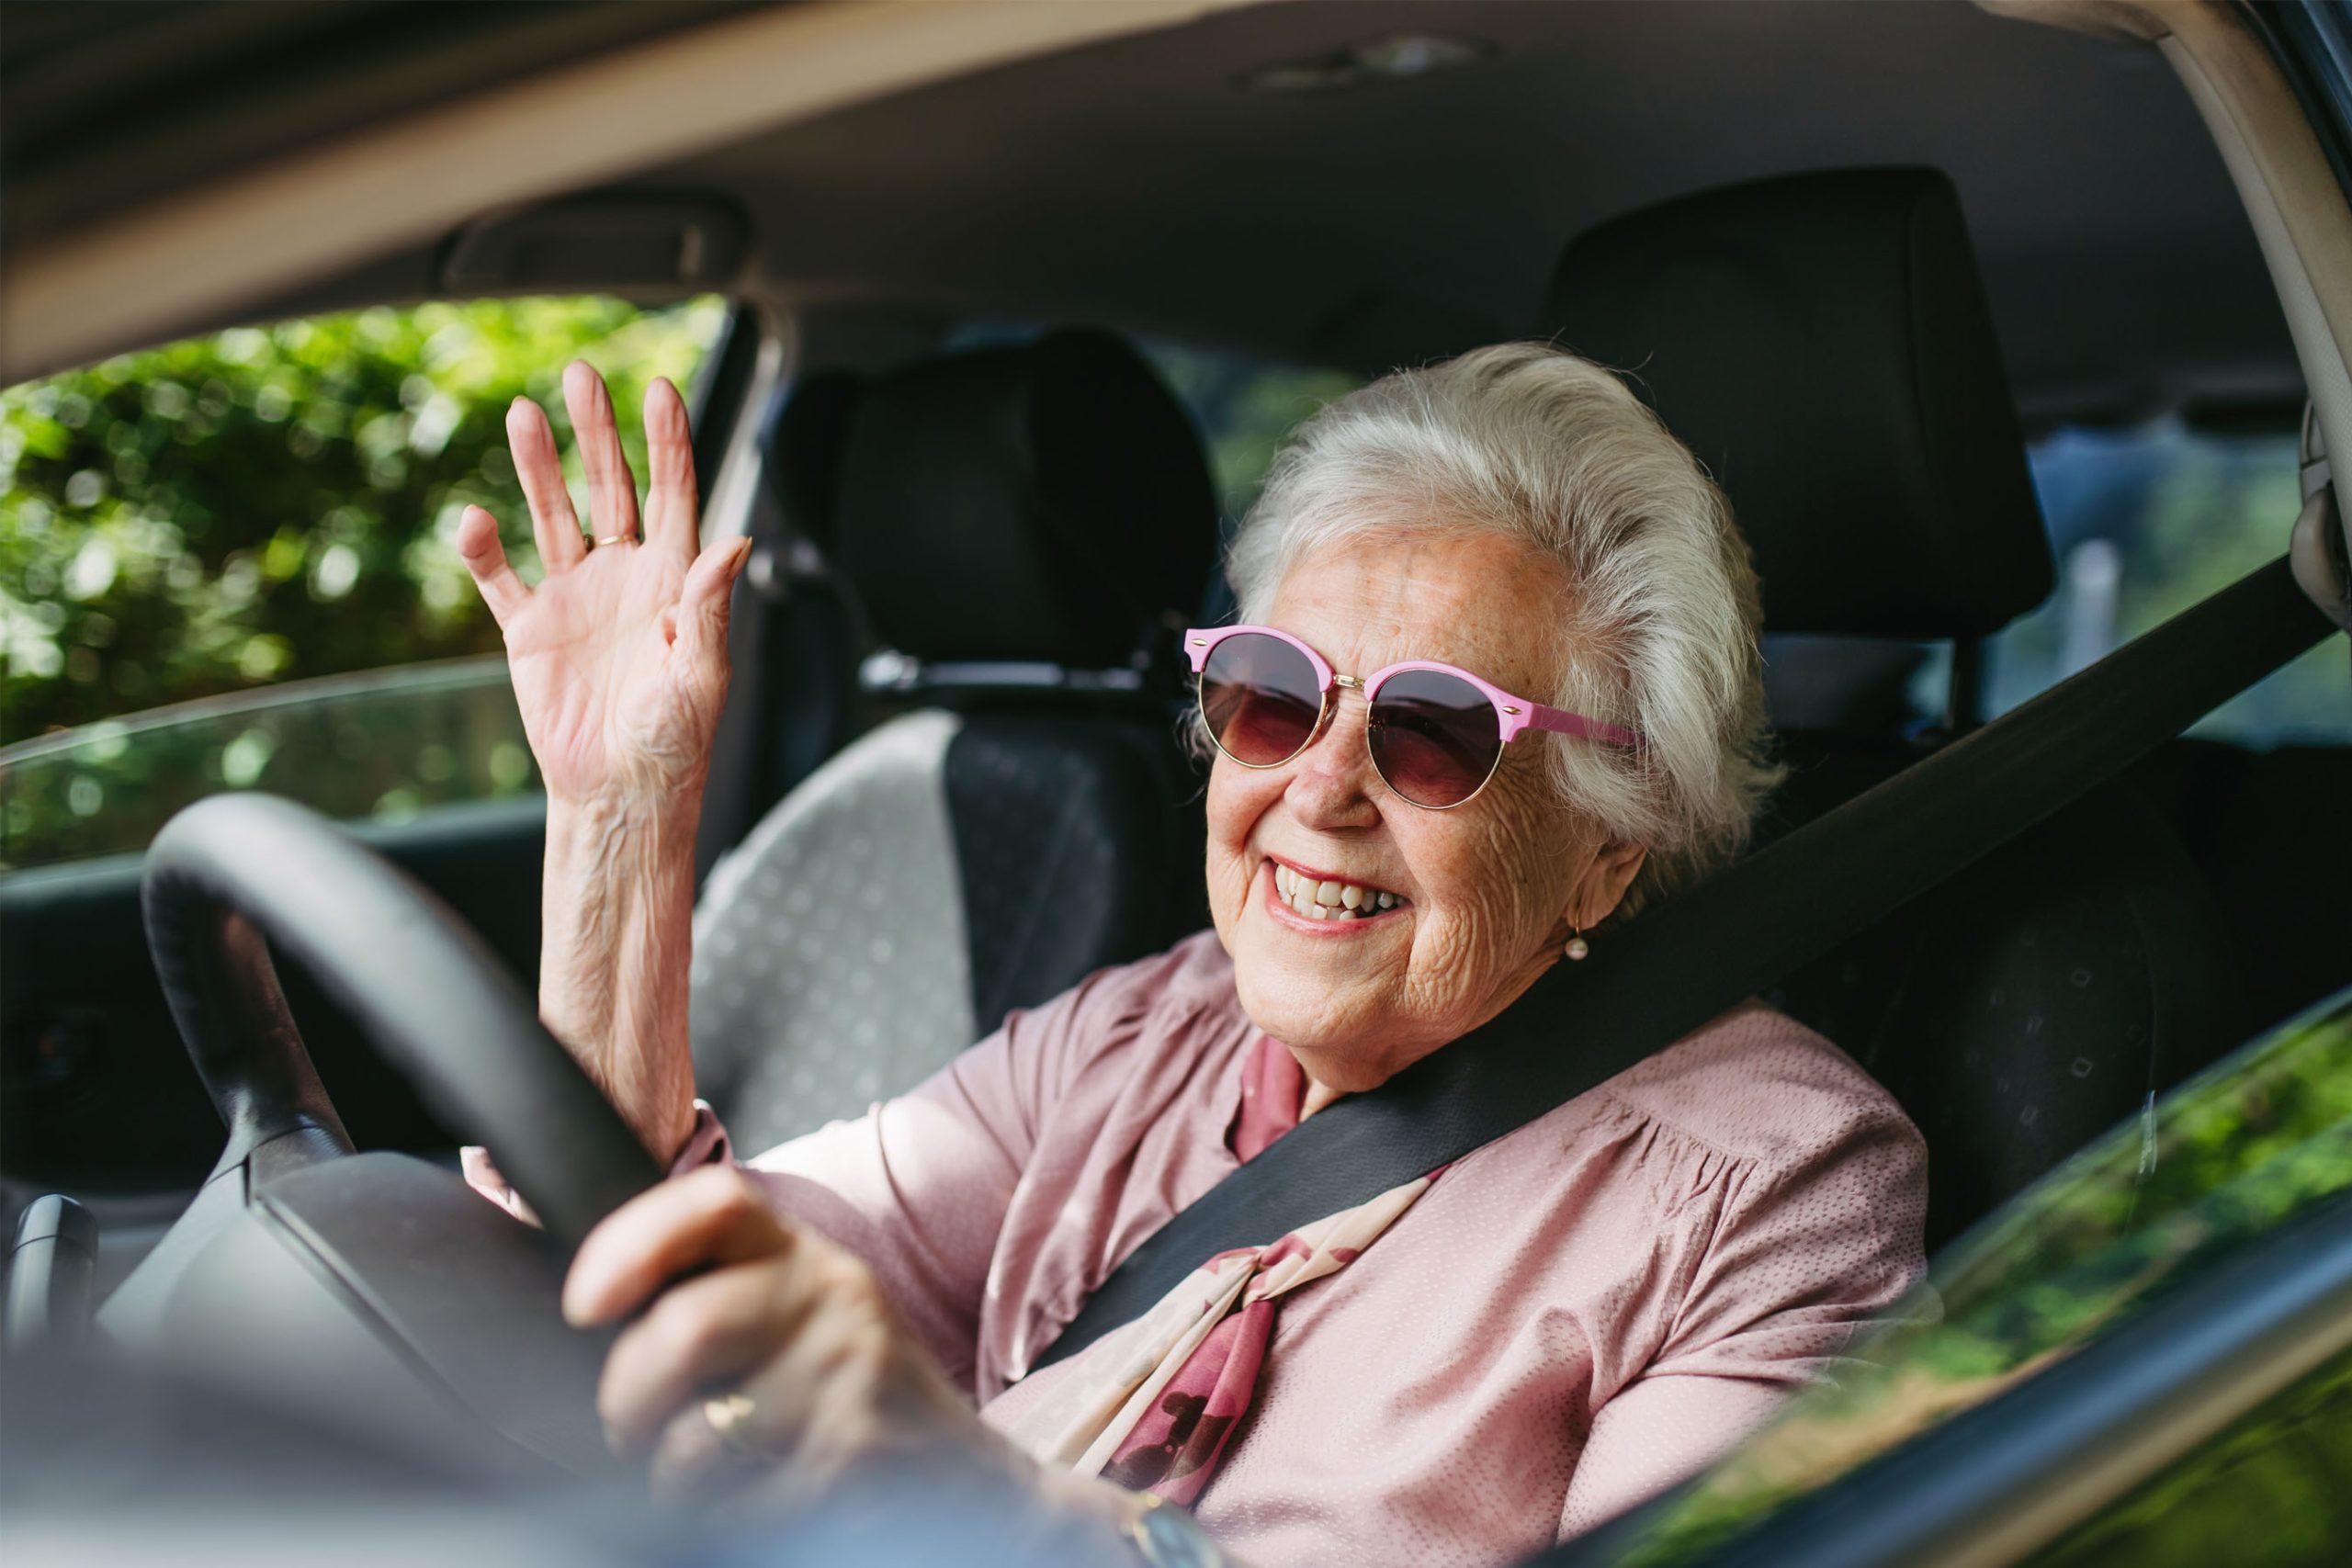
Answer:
(1858, 257)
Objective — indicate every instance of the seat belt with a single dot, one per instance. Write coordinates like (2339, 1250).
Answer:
(1697, 956)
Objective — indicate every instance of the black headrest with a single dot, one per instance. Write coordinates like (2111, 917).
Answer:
(1821, 343)
(1044, 502)
(805, 452)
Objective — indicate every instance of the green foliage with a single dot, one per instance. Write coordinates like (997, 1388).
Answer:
(266, 504)
(2276, 1477)
(2229, 1157)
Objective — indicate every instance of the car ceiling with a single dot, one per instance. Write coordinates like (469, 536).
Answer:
(1138, 183)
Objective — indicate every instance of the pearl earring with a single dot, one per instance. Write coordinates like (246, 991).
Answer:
(1577, 947)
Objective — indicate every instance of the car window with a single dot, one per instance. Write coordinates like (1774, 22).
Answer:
(1245, 407)
(204, 547)
(2260, 1140)
(2145, 522)
(2275, 1475)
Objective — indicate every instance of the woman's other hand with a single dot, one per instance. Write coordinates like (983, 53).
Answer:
(619, 655)
(787, 1331)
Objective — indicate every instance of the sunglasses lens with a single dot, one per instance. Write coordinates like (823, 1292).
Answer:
(1260, 698)
(1434, 736)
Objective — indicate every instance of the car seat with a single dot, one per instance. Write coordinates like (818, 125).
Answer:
(1024, 529)
(1823, 344)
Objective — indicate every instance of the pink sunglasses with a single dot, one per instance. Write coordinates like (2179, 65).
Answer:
(1436, 733)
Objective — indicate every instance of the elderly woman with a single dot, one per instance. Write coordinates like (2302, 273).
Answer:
(1497, 684)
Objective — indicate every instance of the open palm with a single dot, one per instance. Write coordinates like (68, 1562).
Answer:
(619, 656)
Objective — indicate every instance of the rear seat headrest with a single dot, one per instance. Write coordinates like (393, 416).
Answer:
(805, 451)
(1823, 344)
(1046, 503)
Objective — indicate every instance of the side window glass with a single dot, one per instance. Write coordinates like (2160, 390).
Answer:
(2230, 1159)
(2144, 522)
(226, 562)
(1244, 408)
(2275, 1475)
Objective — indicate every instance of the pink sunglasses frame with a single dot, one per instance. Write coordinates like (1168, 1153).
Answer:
(1513, 715)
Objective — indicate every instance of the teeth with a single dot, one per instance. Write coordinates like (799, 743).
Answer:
(1319, 899)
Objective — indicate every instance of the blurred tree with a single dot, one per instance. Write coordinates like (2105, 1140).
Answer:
(270, 504)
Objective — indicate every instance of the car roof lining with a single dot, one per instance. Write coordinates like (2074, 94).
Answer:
(216, 247)
(1129, 181)
(1187, 208)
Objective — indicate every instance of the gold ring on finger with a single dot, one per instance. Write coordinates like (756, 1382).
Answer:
(616, 538)
(729, 1415)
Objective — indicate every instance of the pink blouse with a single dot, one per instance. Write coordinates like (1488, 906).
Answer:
(1576, 1316)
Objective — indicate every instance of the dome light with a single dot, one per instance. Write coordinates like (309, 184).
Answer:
(1392, 57)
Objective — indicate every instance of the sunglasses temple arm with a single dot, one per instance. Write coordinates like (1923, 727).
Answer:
(1562, 722)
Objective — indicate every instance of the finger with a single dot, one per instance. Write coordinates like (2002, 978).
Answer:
(670, 502)
(485, 558)
(839, 1381)
(703, 1334)
(612, 489)
(711, 1216)
(707, 601)
(553, 522)
(691, 1461)
(788, 1392)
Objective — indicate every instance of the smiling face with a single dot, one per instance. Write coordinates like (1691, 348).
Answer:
(1480, 898)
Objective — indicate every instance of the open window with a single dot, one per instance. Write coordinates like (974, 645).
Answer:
(228, 564)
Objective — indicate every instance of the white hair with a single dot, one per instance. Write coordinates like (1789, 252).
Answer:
(1658, 633)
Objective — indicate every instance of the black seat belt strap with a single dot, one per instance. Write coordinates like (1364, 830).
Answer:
(1699, 956)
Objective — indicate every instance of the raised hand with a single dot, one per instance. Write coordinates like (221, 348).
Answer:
(619, 655)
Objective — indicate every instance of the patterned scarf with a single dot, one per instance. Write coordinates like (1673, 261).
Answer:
(1151, 1405)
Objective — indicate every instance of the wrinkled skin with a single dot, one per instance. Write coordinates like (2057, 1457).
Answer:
(1495, 885)
(619, 655)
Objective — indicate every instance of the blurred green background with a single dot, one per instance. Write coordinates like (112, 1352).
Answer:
(261, 506)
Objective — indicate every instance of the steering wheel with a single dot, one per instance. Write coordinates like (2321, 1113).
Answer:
(356, 1279)
(427, 991)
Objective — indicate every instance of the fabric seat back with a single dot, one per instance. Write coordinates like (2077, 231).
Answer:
(1021, 527)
